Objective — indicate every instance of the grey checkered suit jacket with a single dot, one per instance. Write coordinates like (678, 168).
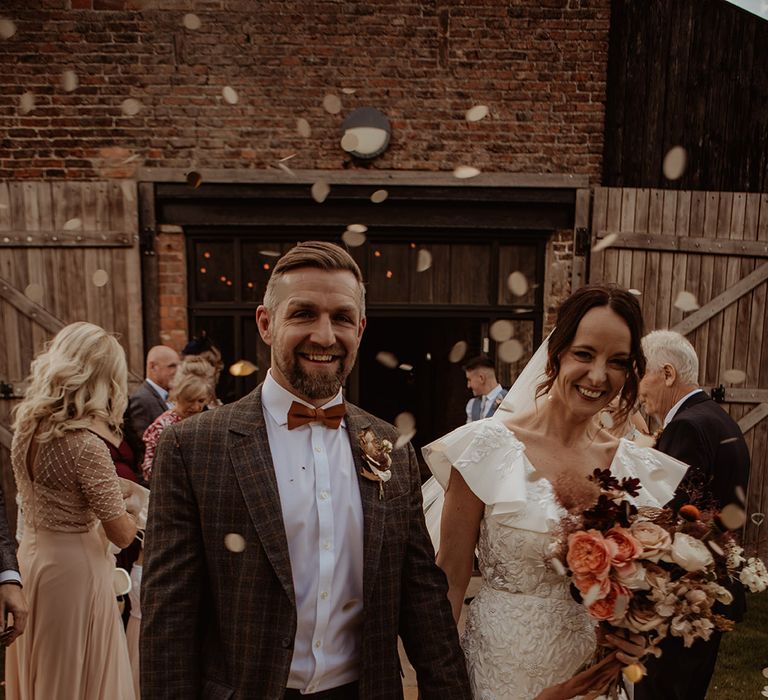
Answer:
(218, 624)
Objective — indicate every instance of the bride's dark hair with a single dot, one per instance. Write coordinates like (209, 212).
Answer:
(569, 315)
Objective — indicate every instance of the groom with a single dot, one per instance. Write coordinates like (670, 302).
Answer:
(284, 553)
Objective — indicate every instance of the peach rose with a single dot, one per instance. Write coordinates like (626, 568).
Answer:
(655, 540)
(589, 553)
(627, 547)
(613, 606)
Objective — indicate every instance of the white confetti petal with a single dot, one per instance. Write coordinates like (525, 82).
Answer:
(27, 103)
(592, 595)
(458, 351)
(405, 422)
(286, 169)
(353, 239)
(34, 292)
(270, 253)
(69, 81)
(242, 368)
(510, 351)
(405, 367)
(716, 548)
(605, 242)
(379, 196)
(464, 172)
(765, 672)
(636, 292)
(302, 126)
(357, 228)
(387, 359)
(424, 260)
(234, 542)
(558, 567)
(332, 104)
(191, 21)
(72, 224)
(606, 419)
(517, 284)
(476, 113)
(7, 28)
(739, 491)
(130, 107)
(404, 439)
(100, 278)
(320, 191)
(674, 163)
(230, 95)
(733, 516)
(349, 91)
(734, 376)
(501, 330)
(349, 142)
(686, 301)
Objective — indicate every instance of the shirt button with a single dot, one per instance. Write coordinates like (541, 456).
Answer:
(324, 495)
(326, 545)
(324, 595)
(318, 449)
(286, 642)
(318, 644)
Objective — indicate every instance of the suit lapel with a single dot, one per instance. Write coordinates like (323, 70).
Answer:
(255, 473)
(372, 503)
(157, 398)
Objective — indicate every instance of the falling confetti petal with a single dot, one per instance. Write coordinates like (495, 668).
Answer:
(353, 239)
(464, 172)
(242, 368)
(405, 367)
(605, 242)
(282, 160)
(379, 196)
(72, 224)
(758, 518)
(100, 278)
(286, 169)
(729, 440)
(739, 491)
(27, 103)
(332, 104)
(349, 91)
(234, 542)
(734, 376)
(130, 107)
(194, 179)
(501, 330)
(765, 672)
(517, 284)
(457, 352)
(320, 191)
(34, 292)
(357, 228)
(558, 567)
(424, 260)
(404, 439)
(69, 81)
(733, 516)
(191, 21)
(606, 420)
(686, 301)
(302, 126)
(270, 253)
(230, 95)
(7, 28)
(716, 548)
(591, 595)
(674, 163)
(405, 422)
(349, 142)
(476, 113)
(636, 292)
(387, 359)
(511, 351)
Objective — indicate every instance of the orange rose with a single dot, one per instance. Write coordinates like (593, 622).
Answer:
(589, 553)
(613, 606)
(627, 547)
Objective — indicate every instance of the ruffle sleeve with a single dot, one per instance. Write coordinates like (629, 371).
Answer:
(659, 473)
(492, 462)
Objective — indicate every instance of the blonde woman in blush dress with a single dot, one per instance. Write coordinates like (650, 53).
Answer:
(74, 645)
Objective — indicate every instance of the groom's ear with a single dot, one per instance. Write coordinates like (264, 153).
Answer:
(264, 324)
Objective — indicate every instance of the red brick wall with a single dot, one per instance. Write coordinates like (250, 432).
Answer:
(540, 66)
(172, 285)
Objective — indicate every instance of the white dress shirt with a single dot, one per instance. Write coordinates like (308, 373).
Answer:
(485, 402)
(163, 392)
(673, 411)
(323, 519)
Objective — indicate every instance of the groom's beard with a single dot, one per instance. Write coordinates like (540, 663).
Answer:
(319, 384)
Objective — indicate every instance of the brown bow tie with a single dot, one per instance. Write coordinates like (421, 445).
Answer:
(299, 414)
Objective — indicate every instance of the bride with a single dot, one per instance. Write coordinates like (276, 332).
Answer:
(525, 635)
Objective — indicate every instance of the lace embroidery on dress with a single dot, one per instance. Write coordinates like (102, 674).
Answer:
(491, 436)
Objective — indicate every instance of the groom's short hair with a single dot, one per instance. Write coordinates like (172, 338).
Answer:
(320, 255)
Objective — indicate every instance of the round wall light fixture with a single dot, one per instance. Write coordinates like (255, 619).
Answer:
(366, 133)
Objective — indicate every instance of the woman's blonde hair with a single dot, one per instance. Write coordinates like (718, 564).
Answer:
(194, 376)
(80, 375)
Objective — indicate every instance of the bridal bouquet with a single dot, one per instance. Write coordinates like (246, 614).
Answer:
(647, 570)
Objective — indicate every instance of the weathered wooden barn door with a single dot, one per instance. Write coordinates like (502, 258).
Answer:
(68, 252)
(715, 246)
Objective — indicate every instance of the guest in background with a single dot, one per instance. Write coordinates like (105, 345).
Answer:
(203, 347)
(190, 392)
(629, 426)
(487, 392)
(12, 600)
(74, 645)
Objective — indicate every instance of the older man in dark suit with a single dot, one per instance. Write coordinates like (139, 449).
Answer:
(286, 548)
(151, 397)
(700, 433)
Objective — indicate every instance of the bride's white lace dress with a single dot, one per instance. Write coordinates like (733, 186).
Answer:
(524, 631)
